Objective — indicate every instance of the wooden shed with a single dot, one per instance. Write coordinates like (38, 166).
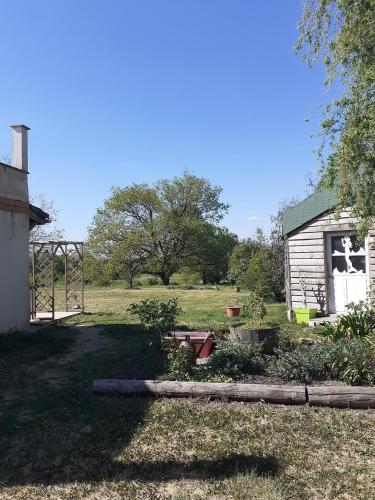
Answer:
(325, 253)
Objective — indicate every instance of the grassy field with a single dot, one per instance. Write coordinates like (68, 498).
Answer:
(59, 441)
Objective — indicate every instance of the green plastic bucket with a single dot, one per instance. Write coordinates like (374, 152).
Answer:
(304, 315)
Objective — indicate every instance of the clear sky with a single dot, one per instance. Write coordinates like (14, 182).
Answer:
(122, 91)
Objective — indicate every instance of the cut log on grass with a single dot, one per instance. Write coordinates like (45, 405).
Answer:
(342, 396)
(284, 394)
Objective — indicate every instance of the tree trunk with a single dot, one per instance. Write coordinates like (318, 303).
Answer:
(165, 278)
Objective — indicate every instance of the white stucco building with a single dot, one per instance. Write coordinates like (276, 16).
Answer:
(17, 217)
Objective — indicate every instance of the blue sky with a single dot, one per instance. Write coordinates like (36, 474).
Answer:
(122, 91)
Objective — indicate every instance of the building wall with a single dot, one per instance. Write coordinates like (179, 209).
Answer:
(14, 256)
(13, 183)
(306, 255)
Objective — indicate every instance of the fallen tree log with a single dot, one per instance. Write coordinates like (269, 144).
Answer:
(284, 394)
(342, 396)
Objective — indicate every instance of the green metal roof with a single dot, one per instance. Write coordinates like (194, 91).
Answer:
(309, 208)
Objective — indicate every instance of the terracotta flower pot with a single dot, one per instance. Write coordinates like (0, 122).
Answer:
(233, 311)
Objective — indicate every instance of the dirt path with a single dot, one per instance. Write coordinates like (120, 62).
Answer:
(88, 340)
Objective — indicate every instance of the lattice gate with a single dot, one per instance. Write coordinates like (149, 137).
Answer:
(49, 299)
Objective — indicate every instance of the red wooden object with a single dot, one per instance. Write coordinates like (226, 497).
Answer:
(202, 341)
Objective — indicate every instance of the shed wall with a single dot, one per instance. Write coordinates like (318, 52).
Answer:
(306, 251)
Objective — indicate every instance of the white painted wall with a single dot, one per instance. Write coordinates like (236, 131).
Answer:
(14, 268)
(13, 183)
(14, 239)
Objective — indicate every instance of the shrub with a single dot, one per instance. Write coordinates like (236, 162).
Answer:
(153, 281)
(253, 307)
(358, 322)
(156, 315)
(236, 360)
(180, 363)
(258, 274)
(353, 361)
(188, 277)
(303, 364)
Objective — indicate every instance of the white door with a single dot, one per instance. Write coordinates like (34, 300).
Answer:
(348, 270)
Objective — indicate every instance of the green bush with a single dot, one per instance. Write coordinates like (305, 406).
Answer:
(180, 362)
(353, 361)
(153, 281)
(236, 360)
(156, 315)
(303, 364)
(358, 322)
(253, 307)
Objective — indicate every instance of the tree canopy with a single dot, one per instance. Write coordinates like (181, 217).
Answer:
(341, 33)
(158, 226)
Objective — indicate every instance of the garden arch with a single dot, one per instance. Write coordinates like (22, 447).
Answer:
(51, 300)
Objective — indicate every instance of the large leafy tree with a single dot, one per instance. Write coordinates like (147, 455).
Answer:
(341, 33)
(212, 246)
(161, 221)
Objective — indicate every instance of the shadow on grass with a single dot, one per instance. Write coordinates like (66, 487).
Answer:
(56, 434)
(202, 469)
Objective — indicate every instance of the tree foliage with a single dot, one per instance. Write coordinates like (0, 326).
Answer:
(50, 231)
(341, 33)
(258, 264)
(213, 246)
(243, 252)
(157, 228)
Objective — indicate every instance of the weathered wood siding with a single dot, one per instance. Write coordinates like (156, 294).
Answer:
(306, 255)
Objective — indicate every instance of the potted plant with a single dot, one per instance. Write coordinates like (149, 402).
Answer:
(256, 329)
(304, 314)
(233, 311)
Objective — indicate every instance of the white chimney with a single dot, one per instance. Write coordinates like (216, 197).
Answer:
(20, 153)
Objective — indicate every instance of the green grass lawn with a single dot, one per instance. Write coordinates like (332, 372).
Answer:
(57, 440)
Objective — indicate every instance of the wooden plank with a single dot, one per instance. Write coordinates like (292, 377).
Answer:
(306, 255)
(342, 396)
(319, 274)
(296, 292)
(306, 235)
(333, 227)
(285, 394)
(309, 263)
(299, 304)
(308, 281)
(312, 230)
(332, 221)
(306, 242)
(306, 249)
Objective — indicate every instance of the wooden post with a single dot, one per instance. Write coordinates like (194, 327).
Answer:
(284, 394)
(65, 251)
(53, 279)
(342, 396)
